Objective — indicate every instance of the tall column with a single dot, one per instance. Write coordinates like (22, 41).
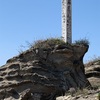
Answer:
(67, 21)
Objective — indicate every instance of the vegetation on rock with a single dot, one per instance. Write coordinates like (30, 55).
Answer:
(99, 96)
(52, 42)
(48, 43)
(84, 42)
(45, 73)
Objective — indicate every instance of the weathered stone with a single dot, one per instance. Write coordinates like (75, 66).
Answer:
(43, 74)
(93, 71)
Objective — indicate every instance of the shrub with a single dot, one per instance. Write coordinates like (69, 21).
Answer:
(48, 43)
(84, 42)
(52, 42)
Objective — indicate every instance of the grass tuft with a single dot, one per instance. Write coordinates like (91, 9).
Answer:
(48, 43)
(51, 43)
(84, 42)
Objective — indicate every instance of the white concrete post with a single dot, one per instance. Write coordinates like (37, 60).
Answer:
(67, 21)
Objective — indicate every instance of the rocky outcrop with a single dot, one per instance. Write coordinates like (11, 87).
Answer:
(43, 74)
(92, 71)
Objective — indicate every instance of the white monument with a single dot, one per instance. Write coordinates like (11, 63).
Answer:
(67, 21)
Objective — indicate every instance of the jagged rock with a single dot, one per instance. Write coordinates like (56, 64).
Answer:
(43, 74)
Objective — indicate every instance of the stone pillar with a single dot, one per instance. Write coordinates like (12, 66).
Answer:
(67, 21)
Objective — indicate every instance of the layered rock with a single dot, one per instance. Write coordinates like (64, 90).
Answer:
(43, 74)
(93, 72)
(93, 69)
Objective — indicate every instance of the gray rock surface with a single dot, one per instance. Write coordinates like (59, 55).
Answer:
(92, 71)
(43, 74)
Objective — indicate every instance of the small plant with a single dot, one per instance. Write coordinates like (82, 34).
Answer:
(99, 96)
(84, 42)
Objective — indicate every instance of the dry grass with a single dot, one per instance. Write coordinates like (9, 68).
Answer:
(84, 42)
(51, 42)
(48, 43)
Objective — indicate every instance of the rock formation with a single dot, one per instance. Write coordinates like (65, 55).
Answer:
(43, 73)
(92, 70)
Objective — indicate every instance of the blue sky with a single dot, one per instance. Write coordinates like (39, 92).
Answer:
(30, 20)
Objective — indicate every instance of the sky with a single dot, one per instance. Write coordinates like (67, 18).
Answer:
(25, 21)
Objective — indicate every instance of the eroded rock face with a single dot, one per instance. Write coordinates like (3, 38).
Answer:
(43, 74)
(93, 72)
